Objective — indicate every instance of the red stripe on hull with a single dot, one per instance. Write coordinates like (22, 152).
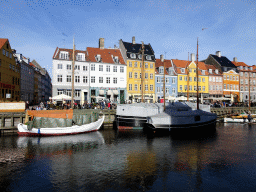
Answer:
(124, 127)
(45, 135)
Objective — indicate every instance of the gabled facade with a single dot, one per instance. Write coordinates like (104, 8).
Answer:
(215, 82)
(165, 67)
(247, 75)
(9, 73)
(132, 54)
(187, 81)
(62, 74)
(26, 77)
(230, 75)
(107, 74)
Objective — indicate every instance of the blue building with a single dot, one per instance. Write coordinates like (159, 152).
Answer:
(170, 79)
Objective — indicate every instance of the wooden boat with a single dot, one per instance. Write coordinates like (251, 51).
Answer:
(59, 122)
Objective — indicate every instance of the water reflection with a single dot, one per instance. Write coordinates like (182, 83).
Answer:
(133, 161)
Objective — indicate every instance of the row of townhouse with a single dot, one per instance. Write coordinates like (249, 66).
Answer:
(118, 75)
(21, 79)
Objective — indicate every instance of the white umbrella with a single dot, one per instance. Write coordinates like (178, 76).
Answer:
(61, 97)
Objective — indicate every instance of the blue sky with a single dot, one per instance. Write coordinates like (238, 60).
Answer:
(36, 27)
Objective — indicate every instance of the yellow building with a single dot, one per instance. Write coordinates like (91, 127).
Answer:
(137, 74)
(187, 81)
(9, 73)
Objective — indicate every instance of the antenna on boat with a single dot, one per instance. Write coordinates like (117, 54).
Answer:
(249, 91)
(197, 98)
(73, 69)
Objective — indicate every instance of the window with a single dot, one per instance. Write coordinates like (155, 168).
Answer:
(59, 78)
(108, 80)
(135, 75)
(68, 78)
(146, 75)
(151, 75)
(190, 87)
(98, 58)
(203, 79)
(140, 65)
(59, 92)
(146, 65)
(227, 86)
(151, 65)
(121, 69)
(115, 80)
(242, 88)
(77, 79)
(190, 78)
(135, 64)
(241, 74)
(146, 87)
(166, 90)
(194, 78)
(199, 79)
(148, 57)
(130, 87)
(173, 90)
(92, 79)
(173, 81)
(130, 64)
(180, 87)
(246, 88)
(77, 93)
(92, 67)
(68, 92)
(224, 86)
(158, 89)
(210, 78)
(246, 81)
(194, 88)
(3, 52)
(130, 74)
(241, 81)
(108, 68)
(100, 67)
(84, 68)
(237, 78)
(180, 78)
(158, 79)
(224, 77)
(77, 67)
(199, 88)
(0, 62)
(140, 56)
(80, 57)
(161, 70)
(85, 79)
(115, 69)
(182, 70)
(151, 87)
(246, 74)
(167, 80)
(59, 66)
(68, 67)
(203, 88)
(133, 55)
(136, 87)
(213, 79)
(210, 87)
(63, 55)
(100, 79)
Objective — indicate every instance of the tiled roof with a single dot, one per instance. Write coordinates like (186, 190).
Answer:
(159, 63)
(213, 70)
(70, 52)
(223, 61)
(239, 64)
(135, 48)
(105, 54)
(2, 42)
(184, 63)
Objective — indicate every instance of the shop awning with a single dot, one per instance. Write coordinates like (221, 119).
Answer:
(109, 92)
(101, 92)
(115, 92)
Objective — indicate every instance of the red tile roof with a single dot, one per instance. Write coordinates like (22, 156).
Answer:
(159, 63)
(105, 54)
(184, 63)
(238, 64)
(2, 42)
(208, 66)
(70, 52)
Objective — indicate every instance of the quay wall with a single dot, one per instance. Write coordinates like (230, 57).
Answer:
(10, 120)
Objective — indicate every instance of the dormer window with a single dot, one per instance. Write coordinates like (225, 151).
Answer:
(216, 71)
(80, 57)
(63, 55)
(140, 56)
(241, 67)
(170, 70)
(246, 68)
(161, 70)
(115, 59)
(251, 68)
(203, 72)
(133, 56)
(182, 70)
(98, 58)
(148, 57)
(210, 71)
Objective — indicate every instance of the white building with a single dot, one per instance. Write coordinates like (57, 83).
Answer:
(107, 74)
(62, 74)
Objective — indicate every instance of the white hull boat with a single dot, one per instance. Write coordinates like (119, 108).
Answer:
(75, 129)
(235, 120)
(179, 116)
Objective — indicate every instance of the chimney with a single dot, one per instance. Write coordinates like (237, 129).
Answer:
(133, 40)
(20, 56)
(218, 53)
(101, 43)
(192, 57)
(235, 59)
(162, 58)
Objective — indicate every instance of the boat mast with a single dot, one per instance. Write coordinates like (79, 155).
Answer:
(249, 91)
(197, 98)
(164, 84)
(188, 79)
(142, 73)
(73, 69)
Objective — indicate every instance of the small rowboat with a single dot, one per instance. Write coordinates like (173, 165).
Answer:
(75, 129)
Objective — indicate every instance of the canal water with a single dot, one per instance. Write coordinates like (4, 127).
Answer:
(111, 160)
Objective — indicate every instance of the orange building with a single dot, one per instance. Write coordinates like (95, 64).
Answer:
(231, 85)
